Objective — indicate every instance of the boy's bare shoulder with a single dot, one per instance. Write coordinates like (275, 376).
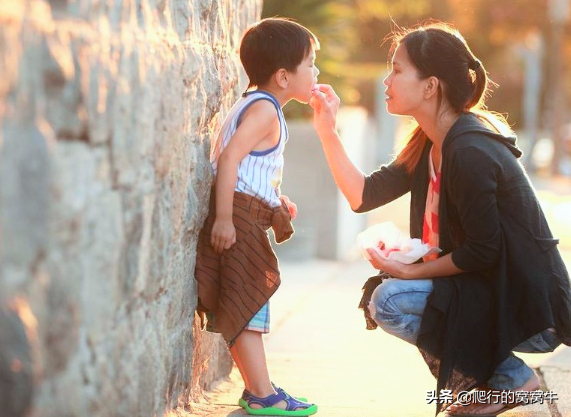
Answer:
(263, 110)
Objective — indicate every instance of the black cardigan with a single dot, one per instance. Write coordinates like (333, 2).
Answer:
(515, 285)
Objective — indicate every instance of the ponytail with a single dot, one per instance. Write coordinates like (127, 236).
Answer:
(410, 155)
(479, 85)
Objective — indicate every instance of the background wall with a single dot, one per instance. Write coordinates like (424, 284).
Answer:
(106, 112)
(325, 227)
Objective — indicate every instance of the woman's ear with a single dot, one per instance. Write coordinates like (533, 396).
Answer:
(431, 87)
(282, 78)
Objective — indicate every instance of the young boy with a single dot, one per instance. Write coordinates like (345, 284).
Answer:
(236, 268)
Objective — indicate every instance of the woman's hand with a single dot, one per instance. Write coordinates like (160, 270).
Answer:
(395, 269)
(223, 235)
(441, 267)
(325, 104)
(291, 206)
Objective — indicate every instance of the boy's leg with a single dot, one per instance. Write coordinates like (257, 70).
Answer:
(250, 357)
(243, 373)
(248, 351)
(260, 323)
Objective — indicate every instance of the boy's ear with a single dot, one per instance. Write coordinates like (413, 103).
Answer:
(282, 78)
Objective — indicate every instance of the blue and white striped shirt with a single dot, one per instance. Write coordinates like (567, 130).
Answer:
(260, 172)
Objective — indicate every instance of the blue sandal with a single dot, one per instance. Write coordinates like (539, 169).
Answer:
(247, 394)
(293, 408)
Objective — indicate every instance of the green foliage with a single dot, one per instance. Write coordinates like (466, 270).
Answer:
(354, 49)
(333, 22)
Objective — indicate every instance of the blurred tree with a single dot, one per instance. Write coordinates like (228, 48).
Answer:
(495, 30)
(333, 22)
(351, 33)
(354, 53)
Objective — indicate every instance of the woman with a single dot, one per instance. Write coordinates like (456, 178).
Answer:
(499, 284)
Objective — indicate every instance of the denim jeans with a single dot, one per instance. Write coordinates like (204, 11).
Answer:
(397, 306)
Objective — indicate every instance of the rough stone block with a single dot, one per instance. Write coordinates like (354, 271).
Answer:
(107, 110)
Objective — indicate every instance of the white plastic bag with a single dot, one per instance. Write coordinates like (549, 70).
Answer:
(387, 240)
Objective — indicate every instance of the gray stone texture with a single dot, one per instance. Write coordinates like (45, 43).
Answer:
(107, 110)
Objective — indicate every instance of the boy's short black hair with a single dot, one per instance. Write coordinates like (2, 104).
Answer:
(272, 44)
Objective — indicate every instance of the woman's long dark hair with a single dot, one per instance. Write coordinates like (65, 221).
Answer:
(438, 50)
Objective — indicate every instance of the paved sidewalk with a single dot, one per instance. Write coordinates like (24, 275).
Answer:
(319, 347)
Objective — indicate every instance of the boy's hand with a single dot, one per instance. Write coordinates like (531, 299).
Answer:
(223, 235)
(325, 104)
(291, 206)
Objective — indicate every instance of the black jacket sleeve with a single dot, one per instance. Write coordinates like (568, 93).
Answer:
(472, 179)
(383, 186)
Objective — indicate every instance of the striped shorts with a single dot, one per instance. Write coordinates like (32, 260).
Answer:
(261, 321)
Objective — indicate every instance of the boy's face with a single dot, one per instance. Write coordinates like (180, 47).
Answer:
(304, 79)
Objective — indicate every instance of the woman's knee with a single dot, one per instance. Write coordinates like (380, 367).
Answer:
(396, 301)
(379, 307)
(384, 305)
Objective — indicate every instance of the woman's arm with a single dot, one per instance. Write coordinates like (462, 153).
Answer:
(348, 177)
(474, 193)
(471, 189)
(441, 267)
(363, 193)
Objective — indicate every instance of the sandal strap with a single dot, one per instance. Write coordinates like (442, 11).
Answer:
(294, 403)
(247, 394)
(268, 401)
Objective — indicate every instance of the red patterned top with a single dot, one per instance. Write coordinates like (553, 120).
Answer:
(430, 231)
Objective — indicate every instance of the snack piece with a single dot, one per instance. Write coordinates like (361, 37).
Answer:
(387, 240)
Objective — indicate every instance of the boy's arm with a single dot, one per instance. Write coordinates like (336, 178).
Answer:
(258, 124)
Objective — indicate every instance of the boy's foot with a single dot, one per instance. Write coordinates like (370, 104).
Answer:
(492, 409)
(279, 404)
(247, 394)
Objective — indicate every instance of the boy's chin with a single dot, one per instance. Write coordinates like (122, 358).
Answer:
(303, 100)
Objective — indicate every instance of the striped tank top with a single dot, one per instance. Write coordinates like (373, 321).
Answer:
(260, 172)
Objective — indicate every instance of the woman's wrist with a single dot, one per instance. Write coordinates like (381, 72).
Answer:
(414, 271)
(328, 134)
(408, 272)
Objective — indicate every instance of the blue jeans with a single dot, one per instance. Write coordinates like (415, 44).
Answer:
(397, 306)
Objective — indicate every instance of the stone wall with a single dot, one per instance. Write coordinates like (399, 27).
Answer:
(107, 108)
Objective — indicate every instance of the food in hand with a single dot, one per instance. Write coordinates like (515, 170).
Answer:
(388, 241)
(386, 251)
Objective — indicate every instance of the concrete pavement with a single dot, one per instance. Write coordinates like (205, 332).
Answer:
(319, 347)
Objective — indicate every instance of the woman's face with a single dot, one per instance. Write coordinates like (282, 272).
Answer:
(405, 89)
